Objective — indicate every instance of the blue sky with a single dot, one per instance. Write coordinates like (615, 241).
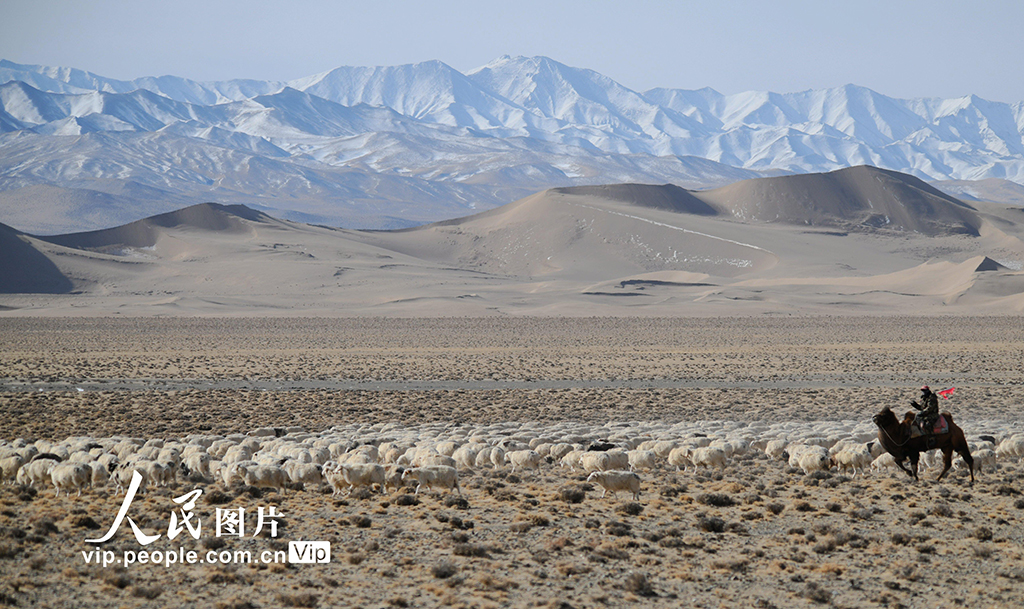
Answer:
(902, 48)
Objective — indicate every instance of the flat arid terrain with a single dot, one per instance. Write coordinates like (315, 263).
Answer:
(752, 531)
(861, 241)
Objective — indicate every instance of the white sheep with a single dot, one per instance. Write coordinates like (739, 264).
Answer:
(322, 455)
(122, 476)
(124, 449)
(431, 459)
(197, 463)
(983, 458)
(931, 459)
(370, 451)
(347, 476)
(726, 446)
(391, 455)
(355, 457)
(497, 456)
(509, 444)
(237, 453)
(882, 463)
(483, 457)
(853, 456)
(1011, 448)
(35, 472)
(795, 450)
(465, 456)
(393, 477)
(446, 448)
(99, 474)
(434, 477)
(662, 448)
(617, 459)
(232, 473)
(776, 450)
(306, 474)
(813, 458)
(27, 452)
(81, 456)
(523, 459)
(266, 476)
(840, 445)
(48, 447)
(543, 449)
(594, 461)
(740, 446)
(415, 453)
(169, 455)
(679, 457)
(69, 476)
(219, 448)
(109, 461)
(9, 467)
(642, 459)
(572, 459)
(697, 441)
(160, 474)
(708, 456)
(877, 450)
(615, 481)
(191, 449)
(560, 450)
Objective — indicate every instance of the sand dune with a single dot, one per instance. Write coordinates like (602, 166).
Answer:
(25, 269)
(581, 237)
(937, 278)
(853, 198)
(798, 244)
(667, 197)
(145, 233)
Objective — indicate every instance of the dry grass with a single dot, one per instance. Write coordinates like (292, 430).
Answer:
(757, 534)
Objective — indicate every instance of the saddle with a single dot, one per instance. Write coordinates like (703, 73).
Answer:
(941, 426)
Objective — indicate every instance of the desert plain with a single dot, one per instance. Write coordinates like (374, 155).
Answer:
(790, 308)
(757, 533)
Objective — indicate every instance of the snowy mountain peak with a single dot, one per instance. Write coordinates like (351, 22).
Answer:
(515, 123)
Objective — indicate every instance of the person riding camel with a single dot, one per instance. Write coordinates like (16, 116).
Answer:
(929, 408)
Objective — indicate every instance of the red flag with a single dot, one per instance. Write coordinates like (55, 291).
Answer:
(945, 393)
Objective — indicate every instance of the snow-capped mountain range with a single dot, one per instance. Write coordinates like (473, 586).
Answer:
(395, 145)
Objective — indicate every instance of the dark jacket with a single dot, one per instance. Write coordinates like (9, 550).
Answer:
(929, 408)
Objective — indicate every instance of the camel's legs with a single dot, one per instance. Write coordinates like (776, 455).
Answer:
(947, 461)
(968, 459)
(912, 472)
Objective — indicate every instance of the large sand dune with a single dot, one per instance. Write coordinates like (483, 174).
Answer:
(859, 240)
(855, 197)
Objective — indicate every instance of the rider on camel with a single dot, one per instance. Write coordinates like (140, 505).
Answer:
(929, 408)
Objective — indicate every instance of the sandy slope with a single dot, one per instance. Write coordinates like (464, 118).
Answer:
(798, 244)
(858, 196)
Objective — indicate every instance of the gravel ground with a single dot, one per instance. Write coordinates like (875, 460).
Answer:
(757, 534)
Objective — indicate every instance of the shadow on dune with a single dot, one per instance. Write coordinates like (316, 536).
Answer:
(146, 232)
(667, 197)
(26, 270)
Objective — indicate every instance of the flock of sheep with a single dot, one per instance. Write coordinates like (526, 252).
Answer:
(432, 455)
